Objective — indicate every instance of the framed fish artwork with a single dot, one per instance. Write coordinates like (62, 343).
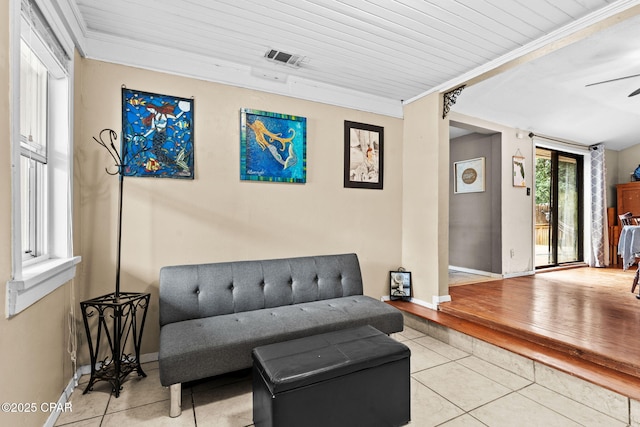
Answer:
(273, 147)
(157, 135)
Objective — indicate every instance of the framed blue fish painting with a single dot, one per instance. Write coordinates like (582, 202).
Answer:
(273, 147)
(157, 135)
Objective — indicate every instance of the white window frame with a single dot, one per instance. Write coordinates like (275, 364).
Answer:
(34, 279)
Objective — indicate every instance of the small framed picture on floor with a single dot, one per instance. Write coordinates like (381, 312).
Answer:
(400, 285)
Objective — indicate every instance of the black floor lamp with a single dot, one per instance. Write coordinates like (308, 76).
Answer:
(119, 316)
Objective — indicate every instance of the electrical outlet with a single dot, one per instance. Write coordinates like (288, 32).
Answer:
(513, 253)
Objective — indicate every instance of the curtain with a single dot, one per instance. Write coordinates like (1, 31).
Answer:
(599, 236)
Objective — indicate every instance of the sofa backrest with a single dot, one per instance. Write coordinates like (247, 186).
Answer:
(204, 290)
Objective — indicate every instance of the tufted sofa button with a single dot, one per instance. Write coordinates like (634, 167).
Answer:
(197, 291)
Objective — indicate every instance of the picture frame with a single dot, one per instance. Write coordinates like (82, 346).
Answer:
(157, 135)
(363, 155)
(273, 147)
(400, 285)
(519, 172)
(469, 176)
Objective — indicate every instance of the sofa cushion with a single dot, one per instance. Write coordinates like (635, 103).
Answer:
(201, 348)
(204, 290)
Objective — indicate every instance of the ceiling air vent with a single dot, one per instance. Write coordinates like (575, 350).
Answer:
(284, 58)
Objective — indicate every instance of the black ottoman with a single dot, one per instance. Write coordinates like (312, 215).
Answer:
(353, 377)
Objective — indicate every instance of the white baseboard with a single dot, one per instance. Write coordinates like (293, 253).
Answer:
(73, 383)
(432, 305)
(62, 401)
(488, 274)
(472, 271)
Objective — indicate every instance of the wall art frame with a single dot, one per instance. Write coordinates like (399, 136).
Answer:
(157, 135)
(273, 147)
(469, 176)
(363, 155)
(519, 176)
(400, 285)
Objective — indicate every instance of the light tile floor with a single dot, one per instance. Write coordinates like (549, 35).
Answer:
(449, 388)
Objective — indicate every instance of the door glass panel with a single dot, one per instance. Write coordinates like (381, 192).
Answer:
(558, 226)
(544, 213)
(567, 210)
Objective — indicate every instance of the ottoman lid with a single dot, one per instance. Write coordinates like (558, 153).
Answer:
(309, 360)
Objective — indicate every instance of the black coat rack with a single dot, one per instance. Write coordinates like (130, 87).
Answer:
(120, 316)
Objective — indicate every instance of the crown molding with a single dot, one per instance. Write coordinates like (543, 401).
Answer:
(152, 57)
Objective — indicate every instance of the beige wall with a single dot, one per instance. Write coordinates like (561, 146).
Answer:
(611, 159)
(217, 217)
(517, 207)
(425, 199)
(34, 364)
(628, 161)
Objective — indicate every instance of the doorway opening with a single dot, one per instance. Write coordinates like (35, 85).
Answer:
(558, 208)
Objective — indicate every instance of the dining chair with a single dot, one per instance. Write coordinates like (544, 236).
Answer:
(628, 219)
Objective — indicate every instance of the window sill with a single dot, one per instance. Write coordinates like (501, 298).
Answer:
(39, 280)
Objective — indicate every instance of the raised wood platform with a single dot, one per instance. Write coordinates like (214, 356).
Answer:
(584, 322)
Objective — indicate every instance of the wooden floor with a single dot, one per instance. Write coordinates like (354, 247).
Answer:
(583, 321)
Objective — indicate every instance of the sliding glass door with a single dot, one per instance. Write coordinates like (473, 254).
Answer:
(558, 218)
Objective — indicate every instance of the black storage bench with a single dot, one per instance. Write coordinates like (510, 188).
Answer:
(351, 377)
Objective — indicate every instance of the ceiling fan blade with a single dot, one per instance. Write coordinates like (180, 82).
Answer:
(634, 93)
(612, 80)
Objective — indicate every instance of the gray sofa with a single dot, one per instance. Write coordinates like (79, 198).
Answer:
(213, 315)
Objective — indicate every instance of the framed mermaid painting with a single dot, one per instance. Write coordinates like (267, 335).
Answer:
(273, 147)
(157, 135)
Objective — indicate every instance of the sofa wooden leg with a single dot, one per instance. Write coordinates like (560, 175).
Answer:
(176, 400)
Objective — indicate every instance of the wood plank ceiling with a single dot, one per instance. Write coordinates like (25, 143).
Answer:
(395, 49)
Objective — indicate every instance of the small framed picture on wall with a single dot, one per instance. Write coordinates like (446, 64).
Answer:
(469, 176)
(518, 172)
(363, 155)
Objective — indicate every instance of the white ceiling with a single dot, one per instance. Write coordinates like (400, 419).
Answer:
(550, 96)
(374, 54)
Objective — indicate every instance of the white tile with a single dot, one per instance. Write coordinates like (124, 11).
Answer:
(152, 415)
(516, 410)
(496, 373)
(417, 323)
(411, 333)
(428, 408)
(591, 395)
(578, 412)
(460, 341)
(451, 337)
(91, 422)
(137, 391)
(423, 358)
(465, 420)
(86, 406)
(635, 413)
(228, 406)
(461, 386)
(507, 360)
(441, 348)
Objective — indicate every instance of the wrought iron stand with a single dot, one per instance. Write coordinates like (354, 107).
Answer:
(126, 312)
